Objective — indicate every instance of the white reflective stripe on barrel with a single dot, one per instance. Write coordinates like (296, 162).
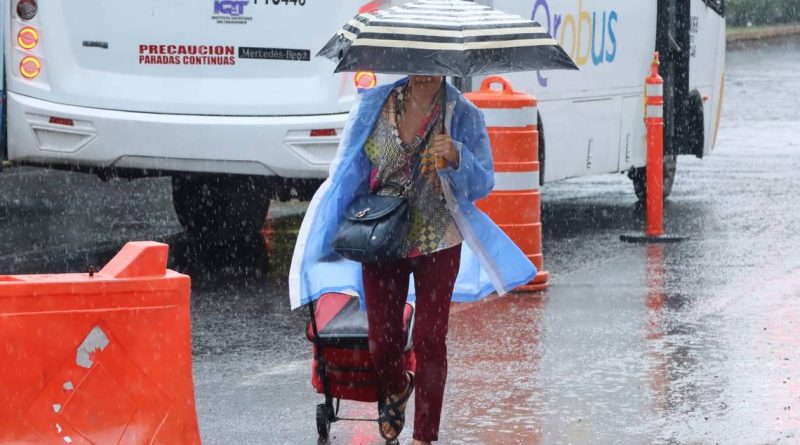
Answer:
(655, 111)
(654, 89)
(509, 117)
(516, 181)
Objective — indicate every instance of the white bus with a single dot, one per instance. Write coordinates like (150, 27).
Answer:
(591, 121)
(227, 97)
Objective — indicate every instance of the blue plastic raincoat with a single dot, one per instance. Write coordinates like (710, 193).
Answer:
(490, 261)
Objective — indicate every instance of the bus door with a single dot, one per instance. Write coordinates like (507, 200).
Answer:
(683, 107)
(672, 44)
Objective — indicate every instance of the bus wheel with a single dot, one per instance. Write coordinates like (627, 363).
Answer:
(639, 178)
(220, 205)
(695, 132)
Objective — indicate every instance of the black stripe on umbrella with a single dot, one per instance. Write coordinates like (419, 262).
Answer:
(436, 62)
(448, 41)
(417, 24)
(448, 20)
(434, 28)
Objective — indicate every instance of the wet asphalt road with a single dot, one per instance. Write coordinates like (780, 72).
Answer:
(695, 343)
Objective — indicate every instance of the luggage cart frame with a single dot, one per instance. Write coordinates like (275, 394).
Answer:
(327, 412)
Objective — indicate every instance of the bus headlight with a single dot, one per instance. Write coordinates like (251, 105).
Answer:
(30, 67)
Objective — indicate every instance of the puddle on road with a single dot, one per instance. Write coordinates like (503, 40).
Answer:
(263, 257)
(494, 355)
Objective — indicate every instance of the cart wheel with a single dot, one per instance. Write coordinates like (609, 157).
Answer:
(323, 421)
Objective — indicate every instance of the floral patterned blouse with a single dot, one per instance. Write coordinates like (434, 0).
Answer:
(393, 166)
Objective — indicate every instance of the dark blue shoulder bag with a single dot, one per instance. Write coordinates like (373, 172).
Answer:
(375, 227)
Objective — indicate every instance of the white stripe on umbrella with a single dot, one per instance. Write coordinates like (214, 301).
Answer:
(445, 5)
(446, 10)
(439, 46)
(462, 15)
(427, 20)
(445, 33)
(462, 6)
(453, 20)
(347, 34)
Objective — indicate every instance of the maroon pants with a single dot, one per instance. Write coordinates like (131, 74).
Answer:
(386, 288)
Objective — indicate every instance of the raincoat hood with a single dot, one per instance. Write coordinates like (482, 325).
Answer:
(490, 261)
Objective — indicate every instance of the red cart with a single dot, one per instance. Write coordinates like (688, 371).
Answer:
(342, 368)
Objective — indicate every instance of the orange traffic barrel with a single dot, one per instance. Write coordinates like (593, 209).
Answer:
(98, 358)
(515, 202)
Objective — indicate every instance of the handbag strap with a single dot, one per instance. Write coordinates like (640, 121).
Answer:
(415, 161)
(417, 173)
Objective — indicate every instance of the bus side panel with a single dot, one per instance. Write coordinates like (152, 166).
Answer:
(599, 129)
(719, 91)
(612, 42)
(632, 133)
(186, 56)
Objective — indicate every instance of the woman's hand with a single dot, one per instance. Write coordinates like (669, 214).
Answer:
(445, 151)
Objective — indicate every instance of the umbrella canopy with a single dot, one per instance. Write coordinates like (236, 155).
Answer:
(444, 37)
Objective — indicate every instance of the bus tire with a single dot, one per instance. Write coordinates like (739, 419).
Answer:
(220, 205)
(639, 177)
(695, 131)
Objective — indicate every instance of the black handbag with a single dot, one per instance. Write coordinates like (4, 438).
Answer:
(375, 226)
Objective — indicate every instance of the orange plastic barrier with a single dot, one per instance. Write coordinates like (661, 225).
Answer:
(515, 203)
(98, 359)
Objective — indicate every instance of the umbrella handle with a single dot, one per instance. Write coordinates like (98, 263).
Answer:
(441, 163)
(487, 83)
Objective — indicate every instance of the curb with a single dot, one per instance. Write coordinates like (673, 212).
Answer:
(759, 33)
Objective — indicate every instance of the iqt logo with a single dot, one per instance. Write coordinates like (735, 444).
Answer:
(233, 8)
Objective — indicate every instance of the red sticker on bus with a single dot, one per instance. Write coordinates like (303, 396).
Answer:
(168, 54)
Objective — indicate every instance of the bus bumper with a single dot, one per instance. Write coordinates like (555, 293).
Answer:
(43, 132)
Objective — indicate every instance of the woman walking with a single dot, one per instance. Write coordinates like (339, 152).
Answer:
(393, 140)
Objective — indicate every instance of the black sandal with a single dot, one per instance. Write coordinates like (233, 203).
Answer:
(392, 413)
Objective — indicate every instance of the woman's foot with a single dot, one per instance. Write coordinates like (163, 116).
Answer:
(392, 411)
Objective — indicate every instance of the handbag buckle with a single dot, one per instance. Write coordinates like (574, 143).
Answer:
(362, 213)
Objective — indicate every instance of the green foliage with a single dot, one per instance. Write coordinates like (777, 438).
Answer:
(762, 12)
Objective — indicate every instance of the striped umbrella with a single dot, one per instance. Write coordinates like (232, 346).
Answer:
(444, 37)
